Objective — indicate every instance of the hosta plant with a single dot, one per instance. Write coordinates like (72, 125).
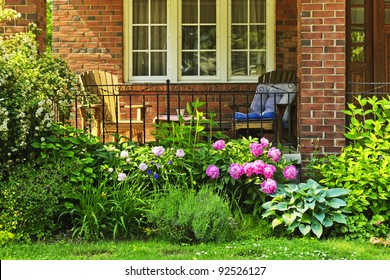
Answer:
(307, 207)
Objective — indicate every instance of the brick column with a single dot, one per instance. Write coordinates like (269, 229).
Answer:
(322, 67)
(89, 34)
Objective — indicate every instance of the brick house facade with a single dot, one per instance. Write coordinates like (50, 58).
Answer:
(310, 38)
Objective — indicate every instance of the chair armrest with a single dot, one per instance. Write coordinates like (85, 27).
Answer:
(141, 110)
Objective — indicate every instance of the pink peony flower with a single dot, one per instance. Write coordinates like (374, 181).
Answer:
(269, 186)
(213, 172)
(249, 168)
(236, 170)
(269, 171)
(274, 153)
(264, 142)
(121, 176)
(180, 153)
(259, 166)
(290, 172)
(158, 151)
(219, 145)
(256, 149)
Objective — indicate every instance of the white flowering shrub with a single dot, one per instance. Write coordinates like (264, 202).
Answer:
(35, 90)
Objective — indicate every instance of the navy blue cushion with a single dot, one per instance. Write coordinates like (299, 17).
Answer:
(254, 116)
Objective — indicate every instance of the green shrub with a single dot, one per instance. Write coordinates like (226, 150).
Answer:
(35, 89)
(186, 216)
(308, 207)
(363, 168)
(5, 237)
(29, 201)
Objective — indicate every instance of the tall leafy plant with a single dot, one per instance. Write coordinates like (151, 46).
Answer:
(363, 167)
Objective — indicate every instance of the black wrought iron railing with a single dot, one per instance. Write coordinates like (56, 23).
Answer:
(132, 110)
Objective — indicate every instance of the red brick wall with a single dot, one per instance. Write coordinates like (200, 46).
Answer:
(322, 68)
(30, 11)
(89, 34)
(286, 34)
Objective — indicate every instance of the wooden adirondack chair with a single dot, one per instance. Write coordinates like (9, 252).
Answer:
(107, 113)
(279, 82)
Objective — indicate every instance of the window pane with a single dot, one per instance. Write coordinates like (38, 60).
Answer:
(190, 11)
(159, 38)
(140, 37)
(258, 11)
(357, 15)
(208, 66)
(257, 64)
(140, 64)
(189, 37)
(239, 37)
(158, 11)
(257, 37)
(208, 12)
(387, 16)
(159, 63)
(239, 64)
(189, 64)
(208, 38)
(357, 2)
(140, 11)
(357, 54)
(239, 11)
(358, 34)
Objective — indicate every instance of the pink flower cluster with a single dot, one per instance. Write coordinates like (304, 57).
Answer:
(290, 172)
(257, 167)
(274, 154)
(219, 145)
(213, 172)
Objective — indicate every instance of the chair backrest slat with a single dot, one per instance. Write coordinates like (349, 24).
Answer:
(105, 85)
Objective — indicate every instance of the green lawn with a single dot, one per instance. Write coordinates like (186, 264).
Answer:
(264, 249)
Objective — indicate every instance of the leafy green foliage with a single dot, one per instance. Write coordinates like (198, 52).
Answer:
(308, 207)
(5, 237)
(30, 199)
(34, 90)
(363, 168)
(71, 147)
(183, 215)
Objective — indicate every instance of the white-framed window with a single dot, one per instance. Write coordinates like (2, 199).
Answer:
(198, 40)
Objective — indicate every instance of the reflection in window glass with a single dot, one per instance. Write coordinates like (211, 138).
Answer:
(248, 36)
(199, 38)
(208, 64)
(357, 15)
(358, 36)
(387, 16)
(357, 54)
(357, 2)
(149, 38)
(189, 65)
(239, 63)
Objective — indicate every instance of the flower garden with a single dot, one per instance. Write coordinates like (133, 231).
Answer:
(189, 186)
